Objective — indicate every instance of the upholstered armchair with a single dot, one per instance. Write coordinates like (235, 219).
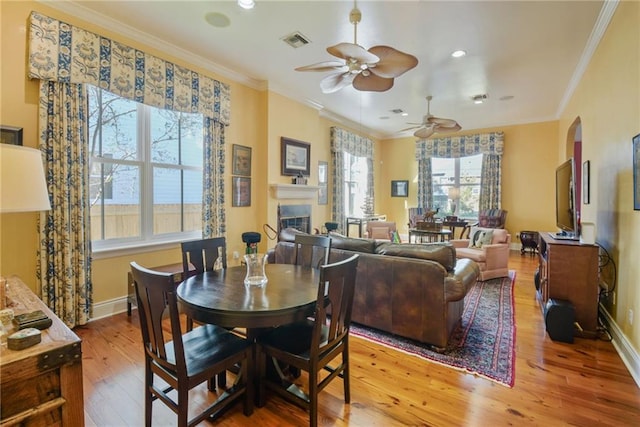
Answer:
(380, 230)
(489, 248)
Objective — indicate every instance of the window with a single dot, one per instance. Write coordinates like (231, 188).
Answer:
(456, 185)
(146, 172)
(356, 171)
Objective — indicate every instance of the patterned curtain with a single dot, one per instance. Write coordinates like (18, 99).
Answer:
(490, 145)
(213, 211)
(63, 54)
(64, 262)
(343, 141)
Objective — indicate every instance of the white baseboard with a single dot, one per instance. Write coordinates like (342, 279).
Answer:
(628, 354)
(109, 308)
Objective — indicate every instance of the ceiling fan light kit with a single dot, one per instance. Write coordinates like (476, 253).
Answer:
(431, 124)
(372, 70)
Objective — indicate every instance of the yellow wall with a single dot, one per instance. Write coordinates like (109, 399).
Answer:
(607, 101)
(529, 163)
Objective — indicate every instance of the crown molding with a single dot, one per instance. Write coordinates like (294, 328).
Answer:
(604, 18)
(75, 9)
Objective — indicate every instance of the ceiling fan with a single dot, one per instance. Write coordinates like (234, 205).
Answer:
(431, 124)
(367, 70)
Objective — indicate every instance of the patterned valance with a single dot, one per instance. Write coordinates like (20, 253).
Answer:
(461, 146)
(62, 52)
(345, 141)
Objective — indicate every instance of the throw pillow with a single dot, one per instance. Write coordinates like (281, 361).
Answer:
(479, 237)
(395, 237)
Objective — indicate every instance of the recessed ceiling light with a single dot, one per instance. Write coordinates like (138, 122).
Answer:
(218, 20)
(404, 114)
(458, 53)
(479, 99)
(246, 4)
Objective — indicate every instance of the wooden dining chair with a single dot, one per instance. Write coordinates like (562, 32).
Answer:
(186, 360)
(311, 250)
(199, 256)
(312, 345)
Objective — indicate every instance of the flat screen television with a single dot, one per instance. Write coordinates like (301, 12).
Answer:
(566, 216)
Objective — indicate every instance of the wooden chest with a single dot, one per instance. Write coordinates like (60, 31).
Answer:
(41, 385)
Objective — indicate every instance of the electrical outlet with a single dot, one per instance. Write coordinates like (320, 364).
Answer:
(236, 255)
(630, 316)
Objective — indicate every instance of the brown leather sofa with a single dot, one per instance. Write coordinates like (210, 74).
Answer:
(414, 291)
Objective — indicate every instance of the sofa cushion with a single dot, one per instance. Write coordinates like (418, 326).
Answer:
(354, 244)
(442, 253)
(478, 255)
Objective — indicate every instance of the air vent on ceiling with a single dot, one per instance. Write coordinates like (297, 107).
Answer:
(397, 111)
(296, 39)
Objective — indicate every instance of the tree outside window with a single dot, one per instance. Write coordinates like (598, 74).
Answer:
(145, 171)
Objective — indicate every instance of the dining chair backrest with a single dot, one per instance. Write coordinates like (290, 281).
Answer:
(202, 255)
(156, 295)
(336, 290)
(311, 250)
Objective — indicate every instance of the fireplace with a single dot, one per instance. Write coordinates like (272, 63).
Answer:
(294, 216)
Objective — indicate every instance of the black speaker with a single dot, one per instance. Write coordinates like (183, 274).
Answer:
(559, 317)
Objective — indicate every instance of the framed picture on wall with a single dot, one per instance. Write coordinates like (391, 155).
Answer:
(636, 172)
(240, 191)
(295, 156)
(10, 135)
(241, 160)
(399, 188)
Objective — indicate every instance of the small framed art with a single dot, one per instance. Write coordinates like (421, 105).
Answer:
(10, 135)
(241, 191)
(399, 188)
(241, 160)
(636, 172)
(295, 156)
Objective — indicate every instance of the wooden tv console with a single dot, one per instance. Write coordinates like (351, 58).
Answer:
(569, 271)
(41, 385)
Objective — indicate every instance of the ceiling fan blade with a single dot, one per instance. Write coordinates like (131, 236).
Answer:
(324, 66)
(447, 129)
(335, 82)
(393, 63)
(424, 133)
(442, 122)
(410, 128)
(372, 83)
(351, 50)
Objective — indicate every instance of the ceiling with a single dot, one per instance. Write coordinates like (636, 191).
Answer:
(525, 55)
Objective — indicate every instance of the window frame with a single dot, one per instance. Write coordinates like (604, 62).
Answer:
(144, 162)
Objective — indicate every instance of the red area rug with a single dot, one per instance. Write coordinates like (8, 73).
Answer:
(482, 344)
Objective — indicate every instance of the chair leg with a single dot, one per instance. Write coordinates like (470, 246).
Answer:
(248, 376)
(313, 397)
(183, 407)
(345, 374)
(189, 324)
(148, 400)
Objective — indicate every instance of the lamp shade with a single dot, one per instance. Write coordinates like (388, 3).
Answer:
(22, 184)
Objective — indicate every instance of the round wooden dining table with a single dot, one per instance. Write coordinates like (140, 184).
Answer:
(221, 298)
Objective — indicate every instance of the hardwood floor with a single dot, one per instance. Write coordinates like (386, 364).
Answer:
(584, 383)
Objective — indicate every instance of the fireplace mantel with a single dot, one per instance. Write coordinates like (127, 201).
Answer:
(294, 191)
